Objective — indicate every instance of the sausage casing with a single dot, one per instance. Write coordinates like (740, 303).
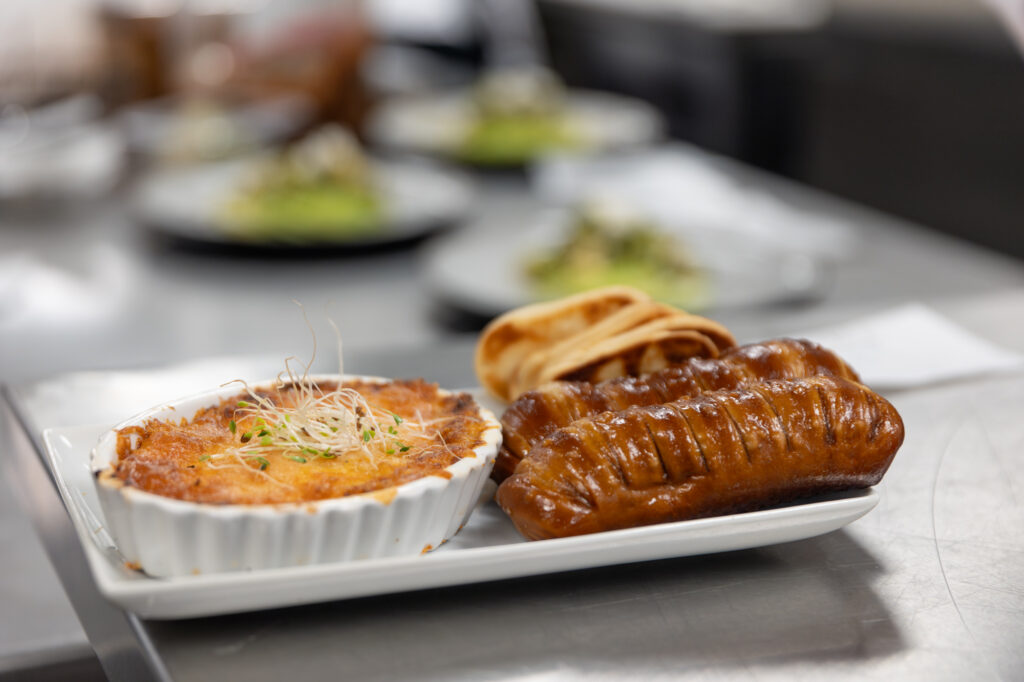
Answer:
(540, 412)
(718, 453)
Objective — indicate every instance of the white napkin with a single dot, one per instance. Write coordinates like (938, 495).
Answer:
(912, 345)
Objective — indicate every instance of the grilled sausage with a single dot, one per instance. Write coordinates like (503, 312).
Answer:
(542, 411)
(718, 453)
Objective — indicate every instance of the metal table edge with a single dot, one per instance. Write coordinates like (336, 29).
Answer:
(119, 639)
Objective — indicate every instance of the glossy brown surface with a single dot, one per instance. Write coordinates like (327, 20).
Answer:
(718, 453)
(173, 459)
(540, 412)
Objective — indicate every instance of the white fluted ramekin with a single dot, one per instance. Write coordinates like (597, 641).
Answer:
(167, 537)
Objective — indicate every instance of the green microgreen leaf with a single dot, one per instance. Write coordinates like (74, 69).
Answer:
(204, 458)
(296, 458)
(232, 426)
(242, 403)
(246, 437)
(262, 461)
(367, 435)
(265, 441)
(398, 420)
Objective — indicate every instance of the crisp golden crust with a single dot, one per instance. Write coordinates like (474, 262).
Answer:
(509, 340)
(174, 459)
(594, 336)
(718, 453)
(540, 412)
(531, 371)
(654, 344)
(633, 354)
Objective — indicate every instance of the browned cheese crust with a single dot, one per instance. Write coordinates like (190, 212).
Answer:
(540, 412)
(718, 453)
(173, 459)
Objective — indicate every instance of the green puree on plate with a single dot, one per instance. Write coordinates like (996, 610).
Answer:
(514, 139)
(605, 247)
(319, 189)
(321, 211)
(517, 114)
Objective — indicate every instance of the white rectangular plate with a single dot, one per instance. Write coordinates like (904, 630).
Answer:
(487, 548)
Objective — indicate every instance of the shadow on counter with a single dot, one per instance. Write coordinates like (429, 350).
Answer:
(804, 601)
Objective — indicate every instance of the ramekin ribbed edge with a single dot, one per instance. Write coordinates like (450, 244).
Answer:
(167, 537)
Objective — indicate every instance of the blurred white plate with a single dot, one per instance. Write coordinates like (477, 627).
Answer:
(60, 151)
(173, 127)
(487, 548)
(437, 125)
(185, 203)
(480, 269)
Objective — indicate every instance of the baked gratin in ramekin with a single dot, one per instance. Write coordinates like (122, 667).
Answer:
(279, 474)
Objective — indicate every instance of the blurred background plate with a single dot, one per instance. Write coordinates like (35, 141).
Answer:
(61, 151)
(200, 129)
(436, 125)
(185, 203)
(481, 270)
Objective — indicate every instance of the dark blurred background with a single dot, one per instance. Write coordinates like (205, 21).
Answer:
(915, 107)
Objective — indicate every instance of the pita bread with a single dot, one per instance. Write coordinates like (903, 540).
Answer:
(527, 375)
(632, 354)
(507, 341)
(708, 339)
(719, 334)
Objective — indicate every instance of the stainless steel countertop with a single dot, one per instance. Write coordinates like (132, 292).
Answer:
(927, 586)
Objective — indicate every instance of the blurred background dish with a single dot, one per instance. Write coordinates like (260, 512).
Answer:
(675, 221)
(476, 127)
(516, 115)
(729, 269)
(517, 110)
(605, 243)
(321, 187)
(61, 151)
(320, 192)
(196, 129)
